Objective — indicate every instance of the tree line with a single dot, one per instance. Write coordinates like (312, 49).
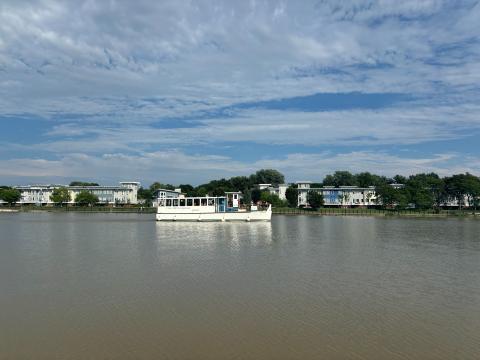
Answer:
(245, 184)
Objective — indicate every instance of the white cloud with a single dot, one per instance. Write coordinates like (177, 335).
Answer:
(177, 167)
(117, 67)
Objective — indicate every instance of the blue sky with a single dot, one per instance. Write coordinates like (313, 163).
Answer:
(187, 91)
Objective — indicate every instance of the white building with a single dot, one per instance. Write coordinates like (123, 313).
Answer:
(162, 194)
(279, 190)
(341, 196)
(125, 193)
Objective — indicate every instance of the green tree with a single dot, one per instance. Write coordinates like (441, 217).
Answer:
(315, 199)
(461, 186)
(387, 196)
(340, 178)
(85, 198)
(269, 176)
(399, 179)
(256, 195)
(273, 199)
(425, 191)
(82, 183)
(201, 191)
(10, 196)
(60, 196)
(365, 179)
(156, 185)
(292, 196)
(146, 195)
(188, 189)
(241, 183)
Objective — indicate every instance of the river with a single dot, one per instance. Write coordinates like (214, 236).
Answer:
(121, 286)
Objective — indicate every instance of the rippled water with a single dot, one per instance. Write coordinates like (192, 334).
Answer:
(76, 286)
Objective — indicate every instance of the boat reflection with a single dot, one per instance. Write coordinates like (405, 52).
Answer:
(202, 234)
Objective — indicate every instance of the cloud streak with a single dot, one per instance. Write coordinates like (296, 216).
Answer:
(139, 79)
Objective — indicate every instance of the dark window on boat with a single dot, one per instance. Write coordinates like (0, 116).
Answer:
(169, 202)
(175, 202)
(211, 202)
(182, 202)
(189, 202)
(204, 202)
(196, 202)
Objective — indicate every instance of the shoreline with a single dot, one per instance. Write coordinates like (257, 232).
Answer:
(276, 211)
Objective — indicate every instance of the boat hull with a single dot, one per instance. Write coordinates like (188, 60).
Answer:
(217, 216)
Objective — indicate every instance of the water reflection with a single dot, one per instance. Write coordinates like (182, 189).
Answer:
(213, 234)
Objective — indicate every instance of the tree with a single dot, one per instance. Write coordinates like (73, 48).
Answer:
(201, 191)
(365, 179)
(82, 183)
(10, 196)
(146, 195)
(273, 199)
(292, 196)
(60, 195)
(85, 198)
(156, 185)
(463, 186)
(256, 194)
(340, 178)
(399, 179)
(425, 191)
(387, 196)
(241, 183)
(315, 199)
(188, 189)
(269, 176)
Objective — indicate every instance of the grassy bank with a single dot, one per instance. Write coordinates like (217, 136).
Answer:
(93, 209)
(281, 211)
(376, 212)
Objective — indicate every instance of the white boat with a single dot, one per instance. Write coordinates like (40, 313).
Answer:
(221, 208)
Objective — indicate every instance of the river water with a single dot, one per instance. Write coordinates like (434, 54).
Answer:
(121, 286)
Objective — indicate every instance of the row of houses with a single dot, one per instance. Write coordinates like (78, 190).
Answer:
(343, 196)
(124, 193)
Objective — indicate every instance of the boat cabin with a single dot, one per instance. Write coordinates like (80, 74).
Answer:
(228, 203)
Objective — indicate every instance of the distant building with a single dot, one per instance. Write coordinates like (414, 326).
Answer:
(351, 196)
(125, 193)
(278, 190)
(162, 194)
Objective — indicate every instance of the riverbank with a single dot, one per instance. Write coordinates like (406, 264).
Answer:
(376, 212)
(277, 211)
(95, 209)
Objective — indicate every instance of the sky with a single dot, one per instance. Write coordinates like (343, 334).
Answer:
(188, 91)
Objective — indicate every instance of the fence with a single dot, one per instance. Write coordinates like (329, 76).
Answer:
(373, 212)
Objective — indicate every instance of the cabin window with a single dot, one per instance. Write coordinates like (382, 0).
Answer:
(189, 202)
(196, 202)
(182, 202)
(211, 202)
(175, 202)
(235, 196)
(204, 202)
(169, 202)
